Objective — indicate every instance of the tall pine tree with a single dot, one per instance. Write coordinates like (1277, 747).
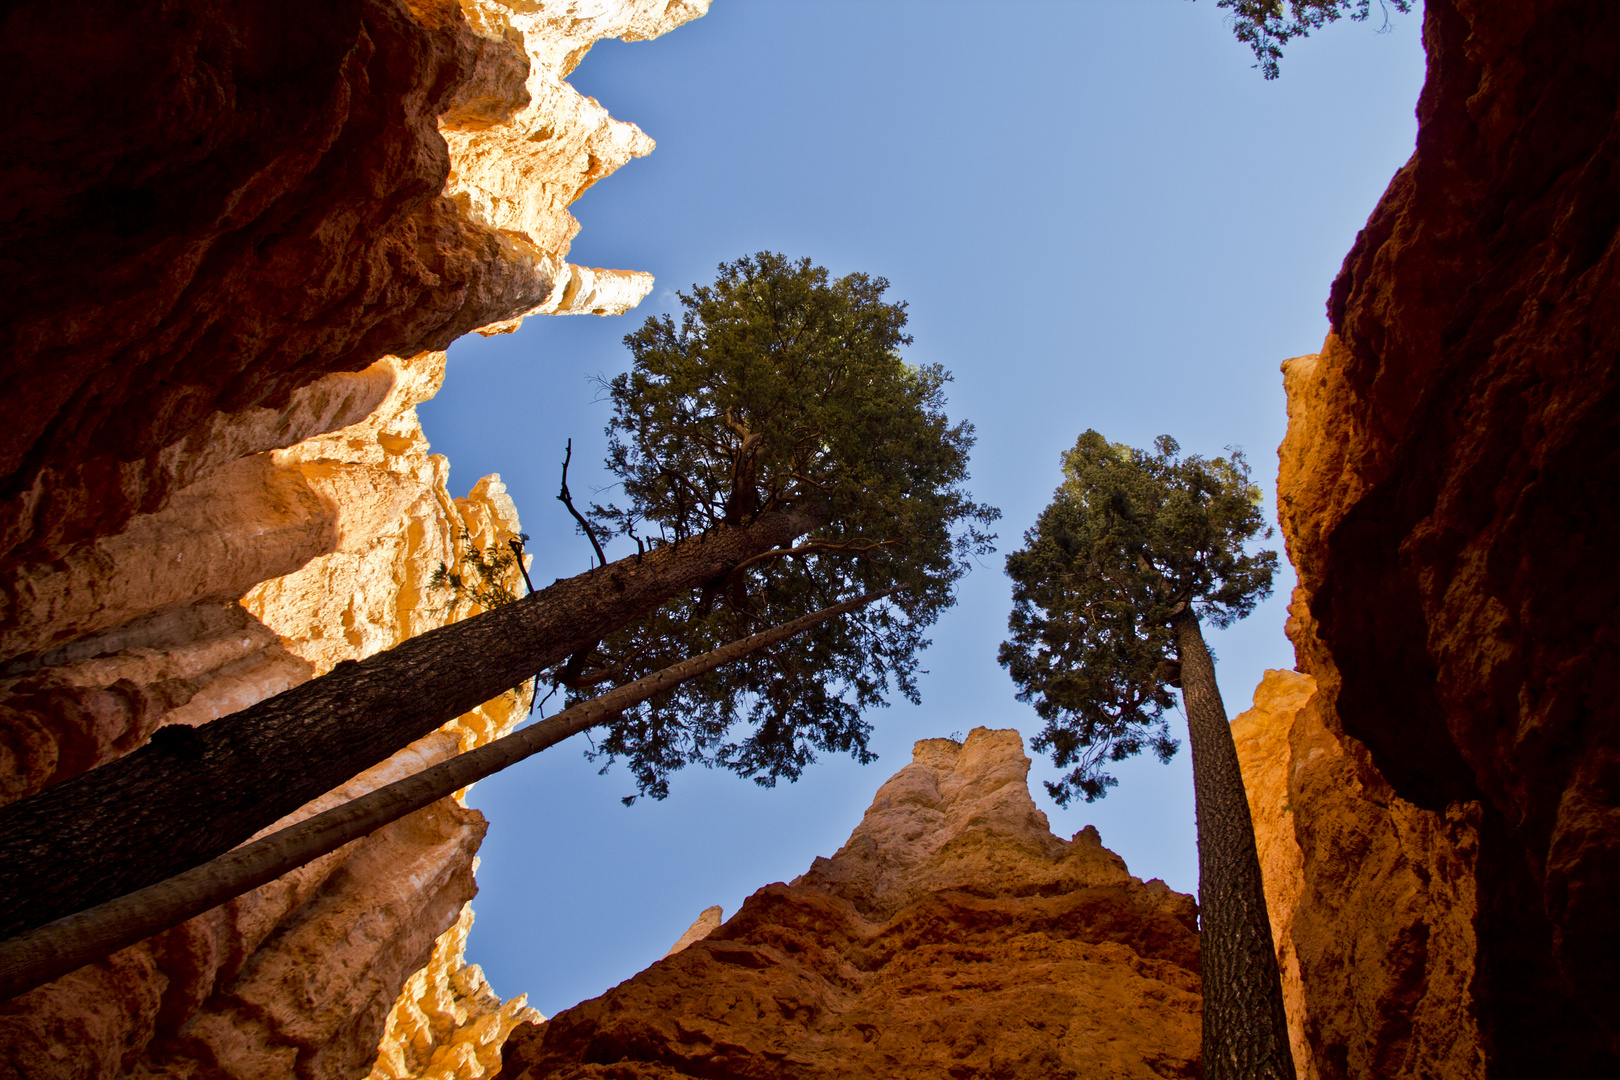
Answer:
(1109, 592)
(780, 457)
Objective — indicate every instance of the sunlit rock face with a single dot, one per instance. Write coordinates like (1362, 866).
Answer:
(448, 1024)
(297, 977)
(1372, 900)
(1447, 497)
(241, 234)
(220, 205)
(952, 935)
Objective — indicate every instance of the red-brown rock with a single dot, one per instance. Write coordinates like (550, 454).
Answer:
(211, 204)
(219, 215)
(952, 936)
(1447, 494)
(1373, 900)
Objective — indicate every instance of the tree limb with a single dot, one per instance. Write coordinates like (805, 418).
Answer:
(817, 547)
(53, 950)
(564, 498)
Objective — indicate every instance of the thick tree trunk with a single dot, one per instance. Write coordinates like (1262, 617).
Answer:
(178, 802)
(62, 946)
(1245, 1028)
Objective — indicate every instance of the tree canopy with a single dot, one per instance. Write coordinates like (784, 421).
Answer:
(1267, 25)
(1130, 540)
(783, 453)
(783, 388)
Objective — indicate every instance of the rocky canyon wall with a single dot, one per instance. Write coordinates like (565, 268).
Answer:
(236, 236)
(953, 935)
(1446, 497)
(1373, 900)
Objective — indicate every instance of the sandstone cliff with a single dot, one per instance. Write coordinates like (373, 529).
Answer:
(222, 205)
(219, 488)
(952, 935)
(448, 1024)
(1372, 900)
(298, 976)
(1445, 496)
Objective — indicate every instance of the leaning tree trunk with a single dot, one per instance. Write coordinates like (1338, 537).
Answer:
(59, 947)
(1245, 1028)
(180, 801)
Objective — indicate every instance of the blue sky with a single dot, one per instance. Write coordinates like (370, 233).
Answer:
(1100, 216)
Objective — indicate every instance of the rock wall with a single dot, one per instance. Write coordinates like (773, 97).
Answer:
(1444, 494)
(220, 203)
(1373, 900)
(952, 935)
(297, 977)
(448, 1024)
(239, 234)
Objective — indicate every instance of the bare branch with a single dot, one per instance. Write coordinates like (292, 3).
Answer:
(818, 547)
(567, 500)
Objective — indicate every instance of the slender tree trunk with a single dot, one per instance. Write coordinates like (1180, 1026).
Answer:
(188, 797)
(57, 948)
(1245, 1028)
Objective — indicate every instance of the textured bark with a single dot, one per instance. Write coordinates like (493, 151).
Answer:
(67, 944)
(1245, 1029)
(208, 789)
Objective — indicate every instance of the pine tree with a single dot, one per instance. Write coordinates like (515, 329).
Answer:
(1109, 592)
(1267, 25)
(789, 459)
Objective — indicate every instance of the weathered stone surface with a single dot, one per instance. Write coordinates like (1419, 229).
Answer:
(704, 925)
(1372, 900)
(1444, 496)
(448, 1024)
(219, 219)
(952, 936)
(298, 977)
(218, 205)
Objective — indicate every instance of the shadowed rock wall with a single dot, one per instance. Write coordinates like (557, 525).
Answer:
(1373, 900)
(222, 218)
(297, 977)
(952, 935)
(1446, 495)
(214, 203)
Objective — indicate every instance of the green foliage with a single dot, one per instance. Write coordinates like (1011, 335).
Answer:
(781, 389)
(485, 577)
(1131, 540)
(1267, 25)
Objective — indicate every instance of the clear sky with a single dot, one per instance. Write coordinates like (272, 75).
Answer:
(1100, 216)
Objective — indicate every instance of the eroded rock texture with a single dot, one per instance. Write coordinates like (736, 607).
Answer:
(212, 204)
(1446, 494)
(1372, 900)
(232, 237)
(953, 935)
(448, 1024)
(298, 977)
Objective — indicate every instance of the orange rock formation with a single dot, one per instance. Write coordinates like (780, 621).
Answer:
(952, 935)
(219, 487)
(1372, 900)
(1444, 494)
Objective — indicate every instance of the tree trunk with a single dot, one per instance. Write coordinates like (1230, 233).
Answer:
(1245, 1028)
(184, 799)
(67, 944)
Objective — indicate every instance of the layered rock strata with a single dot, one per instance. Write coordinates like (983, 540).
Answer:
(952, 935)
(1444, 496)
(297, 976)
(214, 485)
